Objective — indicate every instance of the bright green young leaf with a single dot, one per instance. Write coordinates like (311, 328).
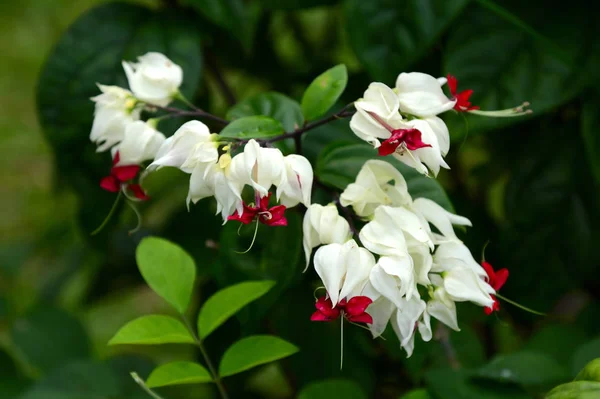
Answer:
(390, 36)
(525, 368)
(49, 338)
(576, 390)
(333, 388)
(253, 351)
(339, 163)
(227, 302)
(168, 270)
(152, 330)
(178, 373)
(252, 127)
(275, 105)
(590, 126)
(417, 394)
(591, 371)
(324, 91)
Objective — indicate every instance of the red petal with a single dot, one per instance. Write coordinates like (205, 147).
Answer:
(326, 307)
(110, 183)
(357, 305)
(452, 84)
(388, 147)
(277, 217)
(489, 271)
(488, 311)
(361, 318)
(116, 158)
(125, 173)
(247, 216)
(138, 192)
(264, 202)
(413, 140)
(501, 277)
(318, 316)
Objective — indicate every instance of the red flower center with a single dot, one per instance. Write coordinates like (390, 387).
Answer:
(462, 98)
(353, 310)
(274, 216)
(410, 137)
(496, 280)
(122, 175)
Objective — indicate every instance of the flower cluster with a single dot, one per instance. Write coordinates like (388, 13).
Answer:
(411, 267)
(403, 122)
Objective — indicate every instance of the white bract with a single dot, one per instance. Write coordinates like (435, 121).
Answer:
(141, 143)
(323, 225)
(297, 186)
(421, 95)
(114, 111)
(154, 79)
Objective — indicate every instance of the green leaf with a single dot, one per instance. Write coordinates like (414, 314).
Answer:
(178, 373)
(416, 394)
(74, 67)
(390, 36)
(234, 16)
(152, 330)
(590, 126)
(576, 390)
(324, 91)
(526, 368)
(227, 302)
(168, 270)
(339, 163)
(333, 388)
(49, 338)
(252, 127)
(77, 380)
(544, 341)
(591, 371)
(253, 351)
(293, 4)
(275, 105)
(455, 384)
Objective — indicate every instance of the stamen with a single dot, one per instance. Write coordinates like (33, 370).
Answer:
(519, 305)
(139, 218)
(267, 215)
(109, 216)
(252, 243)
(381, 121)
(519, 110)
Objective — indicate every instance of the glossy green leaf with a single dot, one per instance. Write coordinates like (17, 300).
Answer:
(49, 338)
(252, 127)
(253, 351)
(591, 371)
(455, 384)
(339, 163)
(333, 388)
(275, 105)
(227, 302)
(153, 330)
(590, 128)
(576, 390)
(390, 36)
(168, 270)
(417, 394)
(526, 368)
(324, 91)
(176, 373)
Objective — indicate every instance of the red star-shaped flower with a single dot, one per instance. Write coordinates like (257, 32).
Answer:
(120, 175)
(274, 216)
(410, 137)
(462, 98)
(353, 310)
(496, 280)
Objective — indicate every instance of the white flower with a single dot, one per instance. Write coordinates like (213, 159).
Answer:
(297, 186)
(323, 225)
(385, 234)
(372, 188)
(113, 113)
(421, 95)
(462, 284)
(439, 217)
(379, 101)
(141, 142)
(190, 145)
(154, 78)
(344, 269)
(452, 254)
(259, 167)
(431, 156)
(211, 179)
(394, 278)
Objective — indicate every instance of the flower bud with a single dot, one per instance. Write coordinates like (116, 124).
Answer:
(323, 225)
(154, 78)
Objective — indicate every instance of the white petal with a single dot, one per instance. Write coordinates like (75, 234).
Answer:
(298, 184)
(439, 217)
(462, 284)
(330, 265)
(443, 310)
(421, 95)
(140, 143)
(380, 310)
(367, 129)
(451, 254)
(386, 284)
(381, 100)
(359, 263)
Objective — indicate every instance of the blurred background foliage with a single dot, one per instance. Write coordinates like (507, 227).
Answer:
(530, 186)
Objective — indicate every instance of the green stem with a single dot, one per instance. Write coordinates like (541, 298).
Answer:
(110, 214)
(142, 384)
(211, 368)
(519, 305)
